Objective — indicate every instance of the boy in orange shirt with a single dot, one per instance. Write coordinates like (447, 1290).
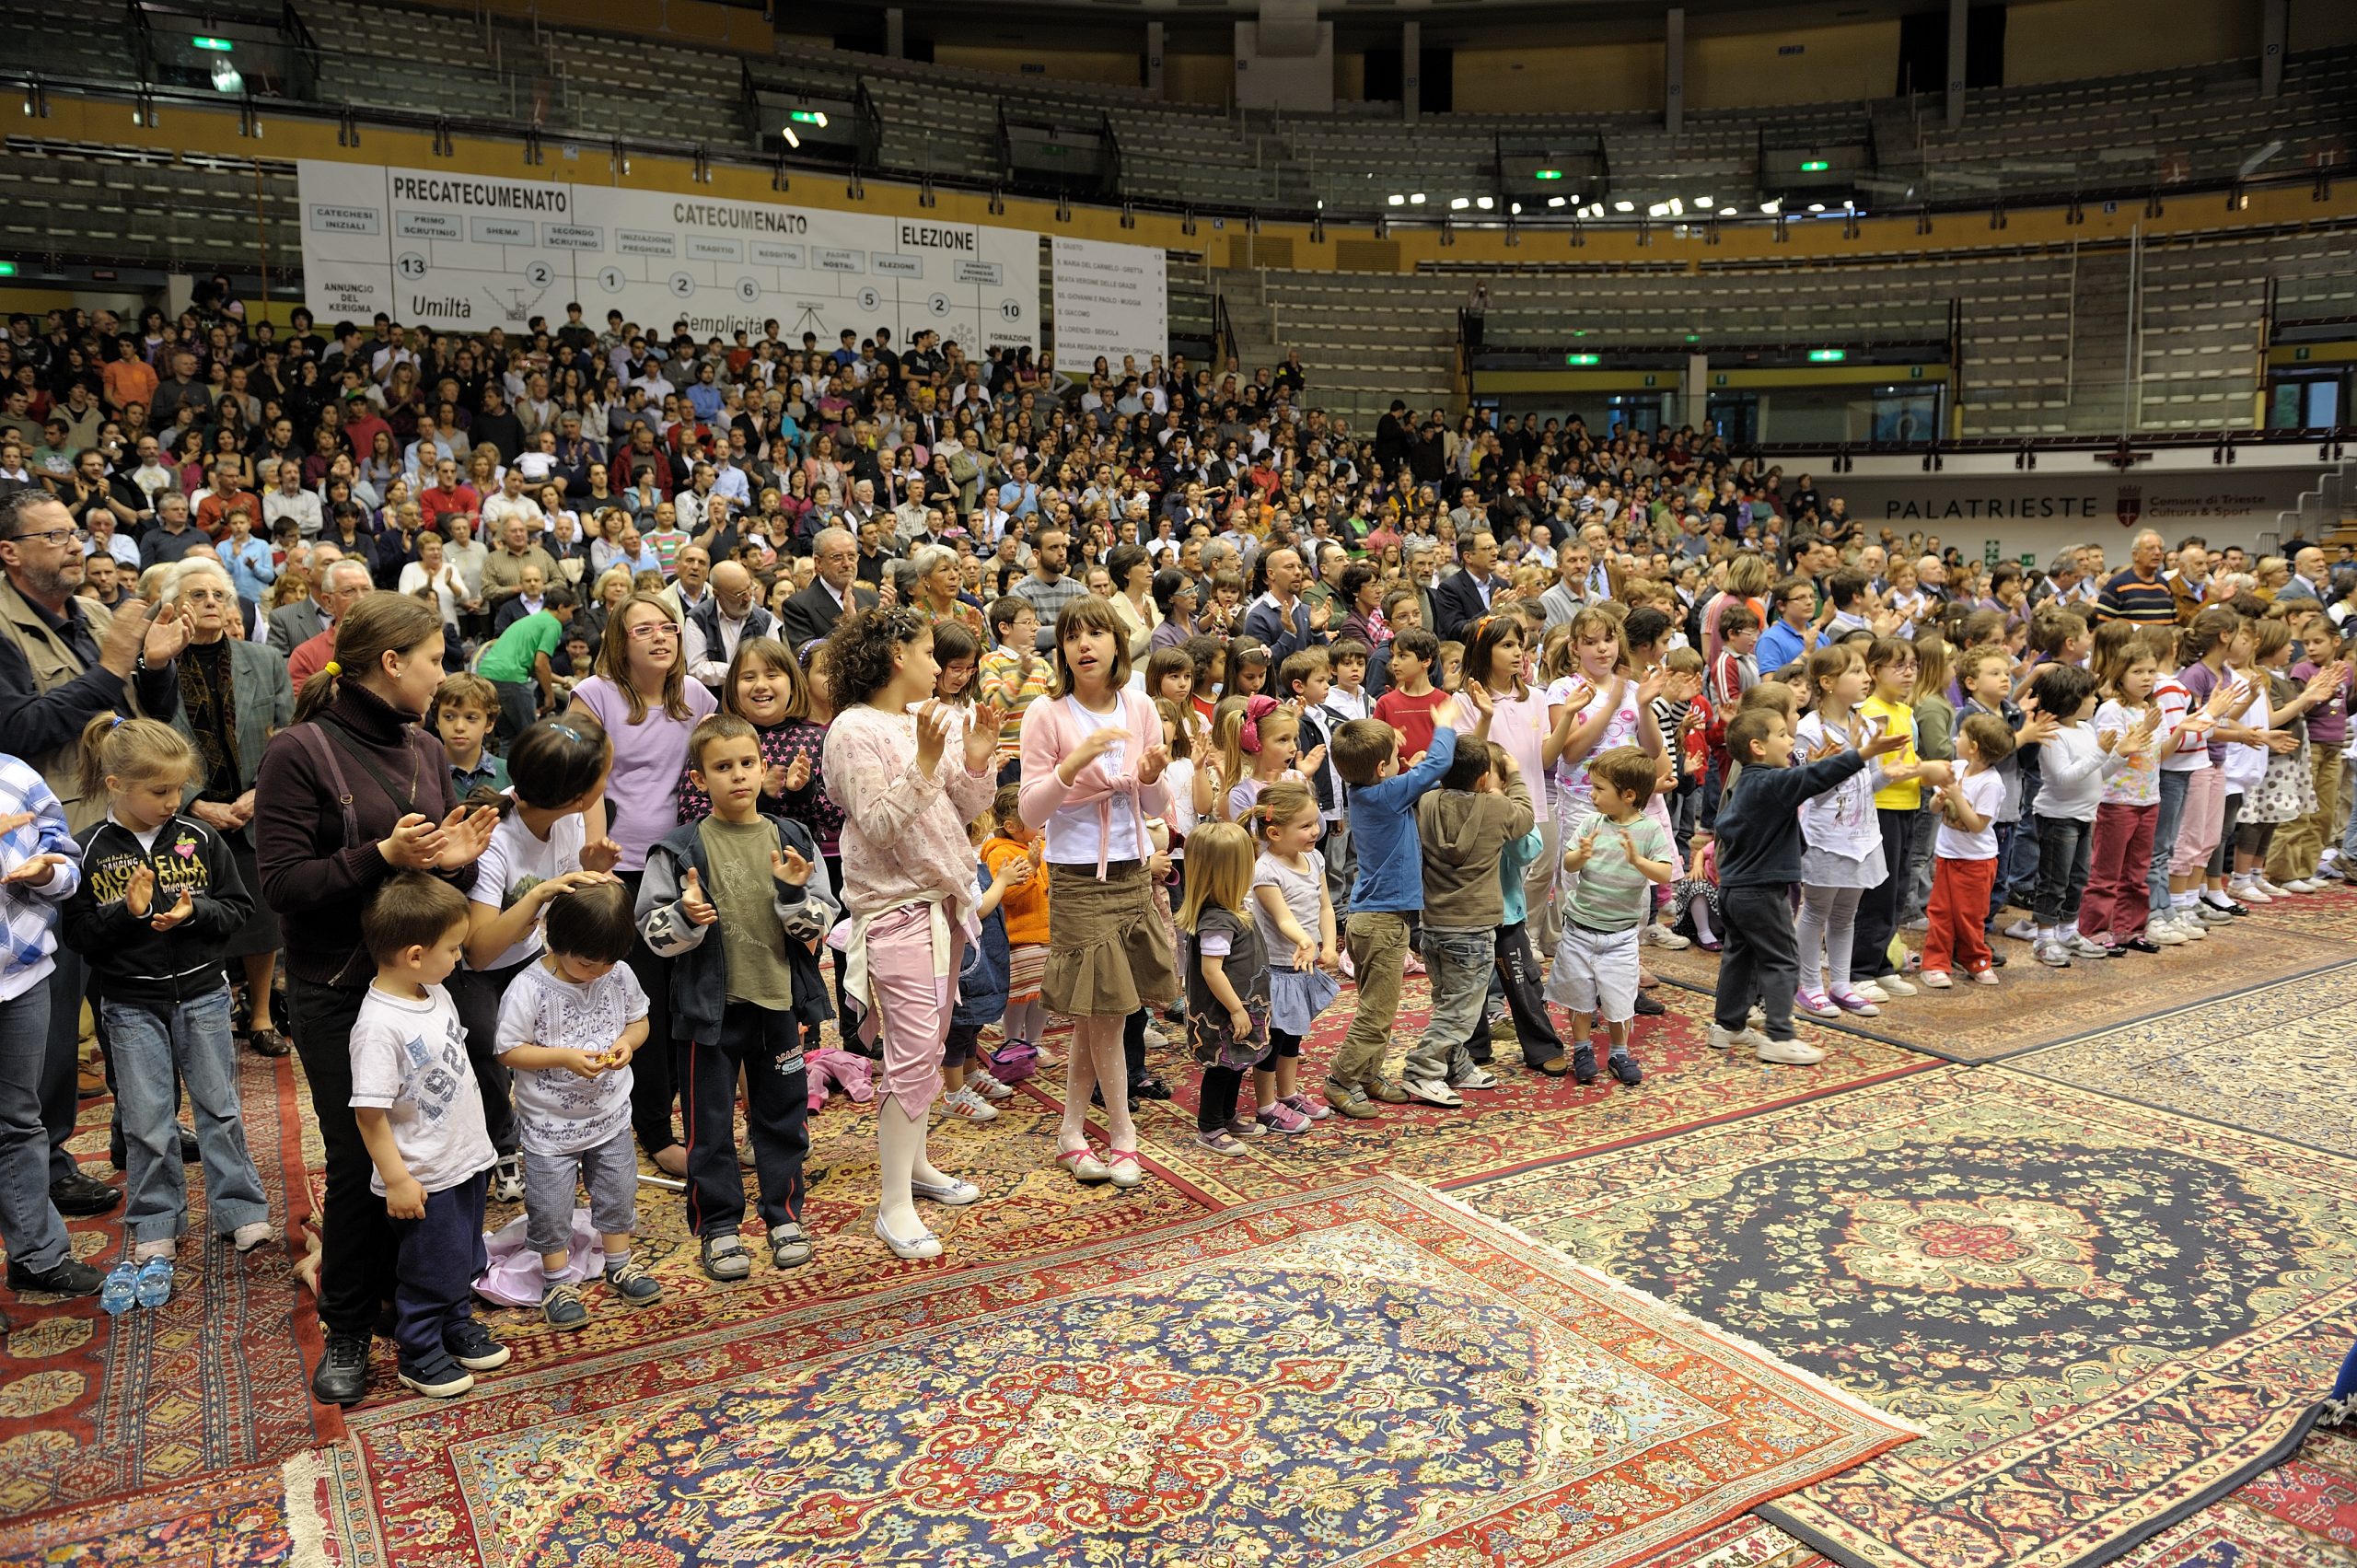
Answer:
(1025, 909)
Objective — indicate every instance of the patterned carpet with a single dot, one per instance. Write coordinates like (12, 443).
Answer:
(2276, 1059)
(94, 1408)
(1530, 1119)
(1370, 1373)
(2033, 1006)
(2103, 1316)
(2331, 913)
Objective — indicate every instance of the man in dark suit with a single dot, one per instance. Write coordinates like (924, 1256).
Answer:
(292, 625)
(812, 613)
(1465, 596)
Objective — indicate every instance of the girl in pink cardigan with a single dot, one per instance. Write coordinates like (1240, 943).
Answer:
(1093, 758)
(907, 791)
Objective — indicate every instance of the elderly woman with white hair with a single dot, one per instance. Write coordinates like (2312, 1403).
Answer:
(235, 695)
(939, 580)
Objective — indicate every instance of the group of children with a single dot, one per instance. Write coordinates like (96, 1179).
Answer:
(1595, 786)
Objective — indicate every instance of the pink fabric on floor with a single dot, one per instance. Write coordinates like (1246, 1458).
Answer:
(840, 1072)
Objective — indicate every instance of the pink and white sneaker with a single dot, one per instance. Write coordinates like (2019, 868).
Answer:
(1850, 1001)
(1815, 1004)
(1281, 1117)
(1316, 1110)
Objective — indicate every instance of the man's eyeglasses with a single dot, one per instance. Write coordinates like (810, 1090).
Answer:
(58, 537)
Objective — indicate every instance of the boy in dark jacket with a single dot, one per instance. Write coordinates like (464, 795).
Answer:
(1759, 837)
(742, 1001)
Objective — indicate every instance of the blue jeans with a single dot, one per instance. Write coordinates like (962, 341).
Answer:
(29, 1224)
(1461, 965)
(2017, 874)
(2165, 828)
(436, 1261)
(145, 1045)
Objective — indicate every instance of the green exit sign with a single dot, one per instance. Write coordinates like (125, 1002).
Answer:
(2299, 354)
(1546, 174)
(1583, 359)
(7, 269)
(1914, 373)
(1828, 355)
(1815, 166)
(218, 45)
(805, 117)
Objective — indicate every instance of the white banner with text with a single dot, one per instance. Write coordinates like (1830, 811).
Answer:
(1112, 301)
(471, 252)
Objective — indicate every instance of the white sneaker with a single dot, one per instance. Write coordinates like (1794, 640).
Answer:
(1431, 1091)
(1156, 1039)
(968, 1106)
(1890, 985)
(2087, 947)
(2188, 924)
(1872, 990)
(1984, 977)
(2208, 913)
(2246, 893)
(2052, 954)
(1937, 980)
(1789, 1052)
(2270, 888)
(2164, 933)
(989, 1088)
(1756, 1019)
(1662, 937)
(2023, 930)
(2304, 885)
(1726, 1040)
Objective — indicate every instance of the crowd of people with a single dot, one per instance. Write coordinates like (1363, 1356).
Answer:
(593, 730)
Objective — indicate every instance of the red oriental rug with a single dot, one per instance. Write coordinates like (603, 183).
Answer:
(1371, 1374)
(93, 1407)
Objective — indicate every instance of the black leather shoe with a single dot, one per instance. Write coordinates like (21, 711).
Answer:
(342, 1377)
(1648, 1006)
(2138, 945)
(78, 1196)
(72, 1277)
(189, 1154)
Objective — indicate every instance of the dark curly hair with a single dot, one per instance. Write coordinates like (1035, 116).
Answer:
(859, 652)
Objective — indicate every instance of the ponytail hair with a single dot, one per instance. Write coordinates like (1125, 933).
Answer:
(1280, 802)
(133, 750)
(376, 625)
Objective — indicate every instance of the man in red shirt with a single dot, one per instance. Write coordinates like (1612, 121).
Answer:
(447, 495)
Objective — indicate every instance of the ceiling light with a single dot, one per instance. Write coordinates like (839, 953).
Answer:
(1727, 212)
(1658, 210)
(1417, 200)
(1817, 206)
(1624, 206)
(1458, 204)
(1554, 201)
(1702, 202)
(1517, 207)
(226, 78)
(1676, 207)
(1397, 199)
(1484, 203)
(1770, 208)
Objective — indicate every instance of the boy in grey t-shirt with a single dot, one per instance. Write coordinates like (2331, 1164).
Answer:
(1612, 862)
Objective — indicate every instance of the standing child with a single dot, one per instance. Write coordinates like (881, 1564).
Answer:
(569, 1025)
(415, 1099)
(1759, 837)
(1093, 760)
(1967, 863)
(981, 982)
(1012, 851)
(1413, 705)
(1347, 699)
(743, 1003)
(1518, 973)
(908, 789)
(2073, 769)
(557, 767)
(1257, 744)
(1843, 860)
(1890, 708)
(1228, 980)
(465, 707)
(1935, 742)
(1296, 922)
(2113, 913)
(1619, 856)
(1388, 893)
(2285, 791)
(2197, 758)
(159, 898)
(1597, 707)
(1463, 828)
(39, 869)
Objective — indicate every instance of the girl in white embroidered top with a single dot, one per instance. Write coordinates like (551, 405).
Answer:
(906, 792)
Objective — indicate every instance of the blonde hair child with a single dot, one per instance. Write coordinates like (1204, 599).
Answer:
(1227, 979)
(1296, 921)
(159, 898)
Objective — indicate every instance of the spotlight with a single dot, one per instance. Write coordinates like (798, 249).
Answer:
(1554, 201)
(1624, 206)
(1396, 199)
(1416, 200)
(1484, 203)
(1458, 204)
